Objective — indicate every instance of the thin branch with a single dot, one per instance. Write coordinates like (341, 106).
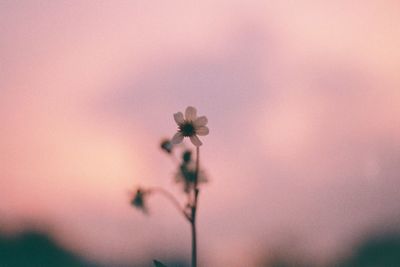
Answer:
(171, 198)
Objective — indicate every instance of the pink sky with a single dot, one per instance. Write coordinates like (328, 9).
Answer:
(303, 101)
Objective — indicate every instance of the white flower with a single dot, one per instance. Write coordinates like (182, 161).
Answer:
(190, 126)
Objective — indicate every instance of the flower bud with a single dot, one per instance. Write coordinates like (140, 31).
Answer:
(166, 145)
(187, 156)
(138, 200)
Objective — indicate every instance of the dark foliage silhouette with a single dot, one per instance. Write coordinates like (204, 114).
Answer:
(34, 249)
(376, 251)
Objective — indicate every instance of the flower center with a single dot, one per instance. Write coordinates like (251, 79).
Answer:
(187, 129)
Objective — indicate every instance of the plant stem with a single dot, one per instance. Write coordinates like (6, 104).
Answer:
(194, 244)
(194, 210)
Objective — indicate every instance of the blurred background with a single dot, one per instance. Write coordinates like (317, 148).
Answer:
(303, 102)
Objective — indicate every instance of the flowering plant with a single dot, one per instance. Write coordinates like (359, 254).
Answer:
(189, 174)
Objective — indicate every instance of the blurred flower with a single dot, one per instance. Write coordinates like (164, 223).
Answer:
(190, 126)
(138, 200)
(187, 156)
(186, 175)
(166, 145)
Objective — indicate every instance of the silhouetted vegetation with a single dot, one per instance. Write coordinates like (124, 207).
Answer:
(34, 249)
(380, 250)
(376, 251)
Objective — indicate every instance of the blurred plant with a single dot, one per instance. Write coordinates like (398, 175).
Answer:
(188, 174)
(158, 264)
(138, 200)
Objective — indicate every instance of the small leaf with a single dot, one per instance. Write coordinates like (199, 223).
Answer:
(159, 264)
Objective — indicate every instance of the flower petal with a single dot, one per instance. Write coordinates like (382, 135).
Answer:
(178, 137)
(178, 117)
(195, 140)
(191, 114)
(201, 121)
(202, 130)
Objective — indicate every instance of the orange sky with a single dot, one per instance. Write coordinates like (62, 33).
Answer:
(303, 102)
